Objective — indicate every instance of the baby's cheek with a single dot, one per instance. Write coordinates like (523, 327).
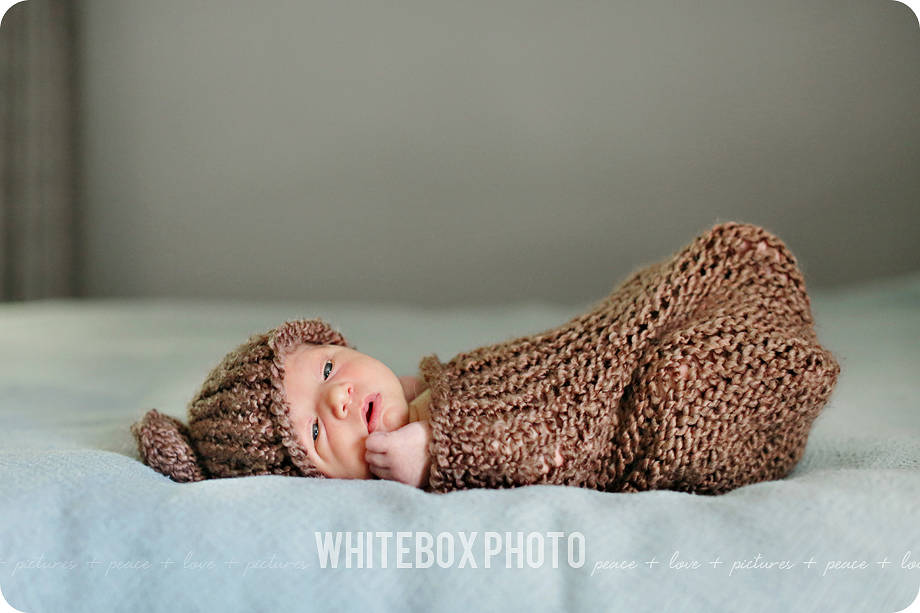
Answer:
(395, 419)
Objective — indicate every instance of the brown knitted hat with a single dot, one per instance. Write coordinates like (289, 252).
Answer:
(239, 423)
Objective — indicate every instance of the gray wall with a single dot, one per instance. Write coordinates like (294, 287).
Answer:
(457, 152)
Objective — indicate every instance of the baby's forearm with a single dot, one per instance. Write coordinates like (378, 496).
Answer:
(418, 408)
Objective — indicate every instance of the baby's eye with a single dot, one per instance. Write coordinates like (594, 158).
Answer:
(327, 369)
(315, 430)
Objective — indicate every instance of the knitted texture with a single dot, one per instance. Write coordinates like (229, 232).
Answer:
(239, 422)
(701, 374)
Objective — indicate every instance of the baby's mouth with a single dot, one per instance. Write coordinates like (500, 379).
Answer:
(372, 412)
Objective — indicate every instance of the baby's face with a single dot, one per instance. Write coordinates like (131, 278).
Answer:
(337, 397)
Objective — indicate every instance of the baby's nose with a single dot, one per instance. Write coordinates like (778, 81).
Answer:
(340, 399)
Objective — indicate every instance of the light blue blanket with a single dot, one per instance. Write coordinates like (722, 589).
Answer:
(86, 527)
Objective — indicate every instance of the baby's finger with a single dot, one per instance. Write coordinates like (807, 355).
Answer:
(381, 472)
(377, 442)
(380, 460)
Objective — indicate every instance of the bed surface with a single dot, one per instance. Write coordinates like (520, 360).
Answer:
(84, 526)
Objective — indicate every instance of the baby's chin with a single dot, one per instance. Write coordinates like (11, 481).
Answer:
(367, 474)
(358, 472)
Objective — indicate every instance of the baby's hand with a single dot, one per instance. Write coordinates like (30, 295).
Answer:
(401, 455)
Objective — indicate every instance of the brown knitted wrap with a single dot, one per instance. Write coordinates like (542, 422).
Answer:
(701, 374)
(239, 422)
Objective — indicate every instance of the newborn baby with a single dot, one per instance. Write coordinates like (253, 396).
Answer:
(701, 373)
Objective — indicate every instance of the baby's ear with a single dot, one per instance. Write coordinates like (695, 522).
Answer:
(164, 446)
